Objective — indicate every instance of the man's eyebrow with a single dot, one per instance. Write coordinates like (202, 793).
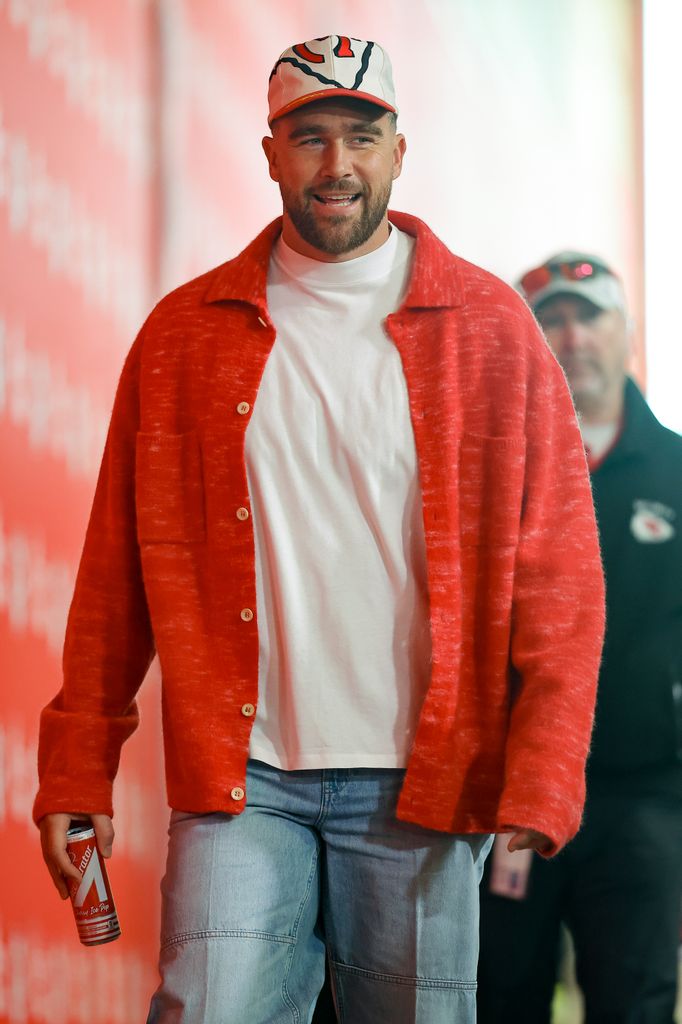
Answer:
(367, 128)
(360, 128)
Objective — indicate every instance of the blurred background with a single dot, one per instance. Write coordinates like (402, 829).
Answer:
(130, 160)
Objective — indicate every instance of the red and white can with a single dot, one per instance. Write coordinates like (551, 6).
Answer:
(91, 899)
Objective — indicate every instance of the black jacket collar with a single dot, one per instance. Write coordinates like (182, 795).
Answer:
(640, 426)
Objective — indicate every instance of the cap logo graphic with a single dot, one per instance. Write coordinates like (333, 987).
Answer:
(303, 51)
(327, 67)
(651, 522)
(343, 48)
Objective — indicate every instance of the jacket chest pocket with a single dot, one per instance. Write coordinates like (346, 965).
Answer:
(169, 488)
(491, 478)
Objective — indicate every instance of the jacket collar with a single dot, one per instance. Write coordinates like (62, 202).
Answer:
(244, 279)
(640, 426)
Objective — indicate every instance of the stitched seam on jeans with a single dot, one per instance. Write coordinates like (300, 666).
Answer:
(225, 933)
(337, 991)
(325, 800)
(399, 979)
(285, 991)
(291, 1005)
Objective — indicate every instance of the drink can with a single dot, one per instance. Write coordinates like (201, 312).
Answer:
(91, 899)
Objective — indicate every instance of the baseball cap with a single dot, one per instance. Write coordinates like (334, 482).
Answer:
(330, 66)
(573, 273)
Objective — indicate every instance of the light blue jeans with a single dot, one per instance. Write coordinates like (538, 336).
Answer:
(318, 864)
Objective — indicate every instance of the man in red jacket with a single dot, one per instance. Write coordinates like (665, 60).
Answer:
(345, 501)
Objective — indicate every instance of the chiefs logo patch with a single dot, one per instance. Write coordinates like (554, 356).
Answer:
(652, 522)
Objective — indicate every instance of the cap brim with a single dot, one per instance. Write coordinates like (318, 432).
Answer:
(326, 94)
(602, 292)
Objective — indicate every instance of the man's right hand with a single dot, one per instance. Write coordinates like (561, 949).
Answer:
(53, 829)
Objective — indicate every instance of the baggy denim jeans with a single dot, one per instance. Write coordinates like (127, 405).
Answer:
(318, 865)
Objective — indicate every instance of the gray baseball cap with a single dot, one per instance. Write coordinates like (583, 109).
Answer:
(573, 273)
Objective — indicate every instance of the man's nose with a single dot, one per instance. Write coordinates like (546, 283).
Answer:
(336, 161)
(574, 336)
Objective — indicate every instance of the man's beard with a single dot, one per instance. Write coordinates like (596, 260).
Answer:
(337, 235)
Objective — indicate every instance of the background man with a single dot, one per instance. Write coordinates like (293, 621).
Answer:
(346, 529)
(618, 885)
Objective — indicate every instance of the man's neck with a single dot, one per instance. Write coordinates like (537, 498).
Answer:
(603, 412)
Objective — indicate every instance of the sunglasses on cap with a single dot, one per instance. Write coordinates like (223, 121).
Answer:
(570, 270)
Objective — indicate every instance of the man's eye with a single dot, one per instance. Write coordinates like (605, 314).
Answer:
(363, 139)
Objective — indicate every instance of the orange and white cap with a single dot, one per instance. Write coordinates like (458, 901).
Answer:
(330, 66)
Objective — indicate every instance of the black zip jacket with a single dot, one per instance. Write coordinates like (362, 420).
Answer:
(637, 742)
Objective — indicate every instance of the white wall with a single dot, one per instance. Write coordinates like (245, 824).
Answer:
(663, 207)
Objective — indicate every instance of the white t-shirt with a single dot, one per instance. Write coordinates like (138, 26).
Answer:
(340, 554)
(598, 438)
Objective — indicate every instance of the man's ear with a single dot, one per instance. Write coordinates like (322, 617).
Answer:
(630, 336)
(270, 151)
(398, 153)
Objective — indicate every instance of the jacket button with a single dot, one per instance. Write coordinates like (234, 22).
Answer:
(243, 408)
(246, 614)
(242, 513)
(248, 710)
(237, 793)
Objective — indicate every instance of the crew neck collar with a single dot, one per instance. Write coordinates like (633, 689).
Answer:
(372, 266)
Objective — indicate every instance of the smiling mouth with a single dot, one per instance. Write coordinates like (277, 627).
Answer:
(335, 200)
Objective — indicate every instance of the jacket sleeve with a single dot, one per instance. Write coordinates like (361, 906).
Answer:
(557, 616)
(109, 643)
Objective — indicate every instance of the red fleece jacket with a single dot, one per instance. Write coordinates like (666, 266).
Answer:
(514, 573)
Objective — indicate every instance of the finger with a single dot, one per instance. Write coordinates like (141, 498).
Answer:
(59, 863)
(529, 841)
(53, 829)
(519, 841)
(58, 880)
(104, 833)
